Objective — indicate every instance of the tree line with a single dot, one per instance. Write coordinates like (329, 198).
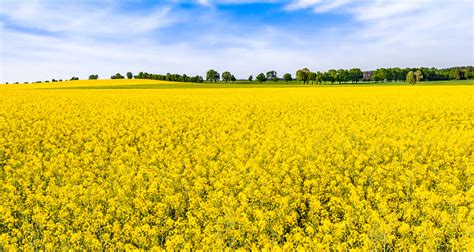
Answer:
(428, 74)
(167, 77)
(356, 75)
(306, 76)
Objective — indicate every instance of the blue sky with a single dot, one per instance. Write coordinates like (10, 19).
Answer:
(40, 40)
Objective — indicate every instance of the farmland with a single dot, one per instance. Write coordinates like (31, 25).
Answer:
(149, 165)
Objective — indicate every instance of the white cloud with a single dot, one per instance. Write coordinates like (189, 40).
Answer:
(317, 5)
(39, 42)
(83, 18)
(402, 32)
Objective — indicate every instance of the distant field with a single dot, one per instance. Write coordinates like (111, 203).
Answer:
(153, 84)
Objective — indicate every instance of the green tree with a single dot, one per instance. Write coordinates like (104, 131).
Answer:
(117, 76)
(418, 75)
(129, 75)
(380, 74)
(312, 77)
(272, 75)
(197, 79)
(411, 79)
(342, 76)
(319, 77)
(303, 75)
(226, 76)
(287, 77)
(332, 76)
(93, 77)
(212, 75)
(455, 74)
(232, 78)
(250, 78)
(261, 77)
(468, 74)
(355, 75)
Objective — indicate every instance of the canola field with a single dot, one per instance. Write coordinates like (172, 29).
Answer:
(370, 168)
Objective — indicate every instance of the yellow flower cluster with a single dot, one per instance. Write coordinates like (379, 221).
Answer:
(259, 168)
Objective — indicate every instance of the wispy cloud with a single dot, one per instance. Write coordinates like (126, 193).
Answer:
(84, 18)
(57, 39)
(317, 5)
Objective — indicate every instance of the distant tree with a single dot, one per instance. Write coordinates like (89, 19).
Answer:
(355, 75)
(74, 78)
(261, 77)
(342, 76)
(212, 75)
(232, 78)
(287, 77)
(93, 77)
(411, 79)
(195, 79)
(380, 74)
(468, 74)
(455, 74)
(345, 76)
(389, 74)
(226, 76)
(312, 77)
(139, 76)
(117, 76)
(418, 76)
(332, 76)
(272, 75)
(129, 75)
(394, 74)
(325, 77)
(303, 75)
(250, 78)
(319, 77)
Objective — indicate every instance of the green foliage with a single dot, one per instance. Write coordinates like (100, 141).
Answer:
(342, 76)
(380, 74)
(170, 77)
(331, 76)
(312, 77)
(355, 75)
(303, 75)
(212, 75)
(319, 77)
(411, 79)
(93, 77)
(261, 77)
(469, 74)
(117, 76)
(456, 74)
(418, 75)
(226, 76)
(272, 75)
